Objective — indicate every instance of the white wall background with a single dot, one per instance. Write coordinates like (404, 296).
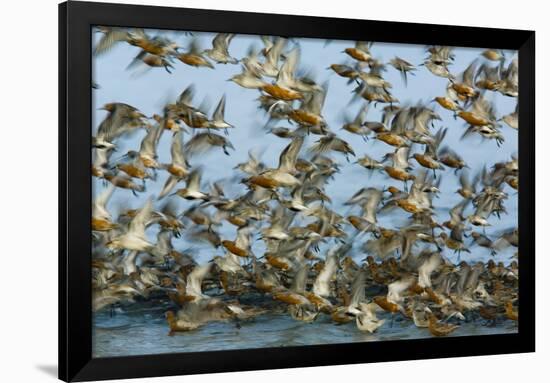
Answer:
(28, 188)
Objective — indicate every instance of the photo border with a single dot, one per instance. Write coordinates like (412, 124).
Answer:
(76, 20)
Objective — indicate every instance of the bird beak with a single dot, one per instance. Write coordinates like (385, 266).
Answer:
(121, 157)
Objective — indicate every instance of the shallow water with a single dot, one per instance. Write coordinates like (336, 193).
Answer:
(141, 329)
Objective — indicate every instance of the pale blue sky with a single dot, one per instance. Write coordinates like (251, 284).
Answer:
(149, 91)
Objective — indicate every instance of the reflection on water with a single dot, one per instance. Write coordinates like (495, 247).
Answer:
(143, 330)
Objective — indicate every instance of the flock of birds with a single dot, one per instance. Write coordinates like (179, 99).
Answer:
(404, 271)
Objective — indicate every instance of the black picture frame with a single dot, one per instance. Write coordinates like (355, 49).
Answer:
(75, 311)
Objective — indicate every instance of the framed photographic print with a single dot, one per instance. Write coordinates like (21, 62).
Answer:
(250, 191)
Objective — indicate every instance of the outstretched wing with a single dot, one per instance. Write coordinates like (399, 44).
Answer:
(186, 96)
(221, 42)
(149, 143)
(274, 51)
(139, 222)
(176, 150)
(358, 289)
(299, 281)
(195, 278)
(194, 180)
(219, 113)
(286, 73)
(316, 101)
(324, 277)
(110, 37)
(288, 157)
(170, 183)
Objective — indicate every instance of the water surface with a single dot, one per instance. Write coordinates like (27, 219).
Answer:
(142, 329)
